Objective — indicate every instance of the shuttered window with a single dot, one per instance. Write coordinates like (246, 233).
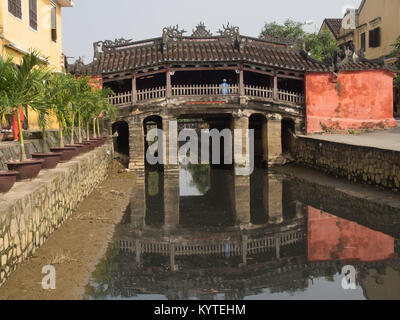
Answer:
(363, 41)
(33, 14)
(14, 7)
(375, 38)
(54, 23)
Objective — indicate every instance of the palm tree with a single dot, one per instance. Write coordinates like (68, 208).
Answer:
(81, 97)
(21, 87)
(58, 97)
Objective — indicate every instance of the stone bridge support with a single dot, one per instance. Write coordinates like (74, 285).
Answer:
(272, 198)
(171, 196)
(136, 145)
(241, 200)
(272, 140)
(138, 204)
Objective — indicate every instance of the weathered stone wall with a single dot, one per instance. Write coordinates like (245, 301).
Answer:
(10, 151)
(356, 163)
(33, 210)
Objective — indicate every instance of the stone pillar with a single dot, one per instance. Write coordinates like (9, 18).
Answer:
(138, 203)
(241, 199)
(272, 198)
(171, 197)
(173, 266)
(170, 143)
(136, 145)
(241, 149)
(272, 142)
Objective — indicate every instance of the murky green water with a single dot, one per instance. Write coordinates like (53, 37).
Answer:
(206, 234)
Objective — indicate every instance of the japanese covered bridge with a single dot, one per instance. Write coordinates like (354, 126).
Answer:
(270, 85)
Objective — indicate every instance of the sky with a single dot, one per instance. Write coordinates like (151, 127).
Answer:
(94, 20)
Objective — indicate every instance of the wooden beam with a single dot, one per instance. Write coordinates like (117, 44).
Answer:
(205, 68)
(134, 91)
(241, 82)
(275, 89)
(259, 71)
(169, 86)
(118, 78)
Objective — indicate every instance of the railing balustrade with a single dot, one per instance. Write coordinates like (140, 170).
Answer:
(121, 98)
(150, 94)
(216, 247)
(266, 93)
(259, 92)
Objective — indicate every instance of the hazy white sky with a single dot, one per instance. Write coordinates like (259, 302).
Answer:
(94, 20)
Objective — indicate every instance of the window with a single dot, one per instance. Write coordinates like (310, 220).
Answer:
(363, 41)
(375, 38)
(54, 23)
(14, 7)
(33, 14)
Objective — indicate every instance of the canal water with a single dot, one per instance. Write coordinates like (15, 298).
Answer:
(201, 233)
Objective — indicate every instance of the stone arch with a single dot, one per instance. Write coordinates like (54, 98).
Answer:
(257, 122)
(288, 128)
(121, 142)
(152, 122)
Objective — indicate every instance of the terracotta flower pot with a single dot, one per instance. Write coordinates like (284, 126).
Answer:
(96, 142)
(89, 145)
(51, 160)
(67, 153)
(7, 180)
(79, 147)
(28, 169)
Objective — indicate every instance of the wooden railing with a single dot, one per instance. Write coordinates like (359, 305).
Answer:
(292, 97)
(259, 92)
(151, 94)
(204, 90)
(266, 93)
(120, 99)
(233, 247)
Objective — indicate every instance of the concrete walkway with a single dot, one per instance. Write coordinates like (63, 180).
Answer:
(388, 139)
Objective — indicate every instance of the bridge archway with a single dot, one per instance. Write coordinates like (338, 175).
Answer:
(288, 127)
(150, 123)
(121, 143)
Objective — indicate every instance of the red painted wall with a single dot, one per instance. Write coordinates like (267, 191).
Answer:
(97, 82)
(353, 100)
(333, 238)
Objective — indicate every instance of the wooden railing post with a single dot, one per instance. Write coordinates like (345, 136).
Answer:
(134, 92)
(275, 89)
(169, 86)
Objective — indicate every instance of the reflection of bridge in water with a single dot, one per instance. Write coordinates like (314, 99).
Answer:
(233, 237)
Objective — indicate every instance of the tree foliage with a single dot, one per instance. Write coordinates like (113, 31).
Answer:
(396, 53)
(320, 45)
(289, 30)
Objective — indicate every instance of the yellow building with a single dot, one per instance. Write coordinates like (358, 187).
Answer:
(376, 28)
(33, 25)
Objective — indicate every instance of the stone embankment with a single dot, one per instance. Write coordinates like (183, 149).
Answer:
(365, 164)
(33, 210)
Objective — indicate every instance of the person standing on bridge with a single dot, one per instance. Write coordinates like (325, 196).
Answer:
(224, 87)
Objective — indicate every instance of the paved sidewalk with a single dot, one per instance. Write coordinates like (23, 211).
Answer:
(388, 139)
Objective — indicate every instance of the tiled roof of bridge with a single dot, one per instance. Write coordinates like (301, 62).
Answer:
(230, 47)
(334, 25)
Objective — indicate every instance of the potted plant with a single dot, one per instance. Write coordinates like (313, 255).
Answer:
(51, 159)
(57, 98)
(21, 87)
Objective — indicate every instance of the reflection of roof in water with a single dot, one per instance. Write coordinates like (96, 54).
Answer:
(285, 275)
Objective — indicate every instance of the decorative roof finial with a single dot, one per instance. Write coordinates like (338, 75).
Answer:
(173, 32)
(229, 31)
(201, 31)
